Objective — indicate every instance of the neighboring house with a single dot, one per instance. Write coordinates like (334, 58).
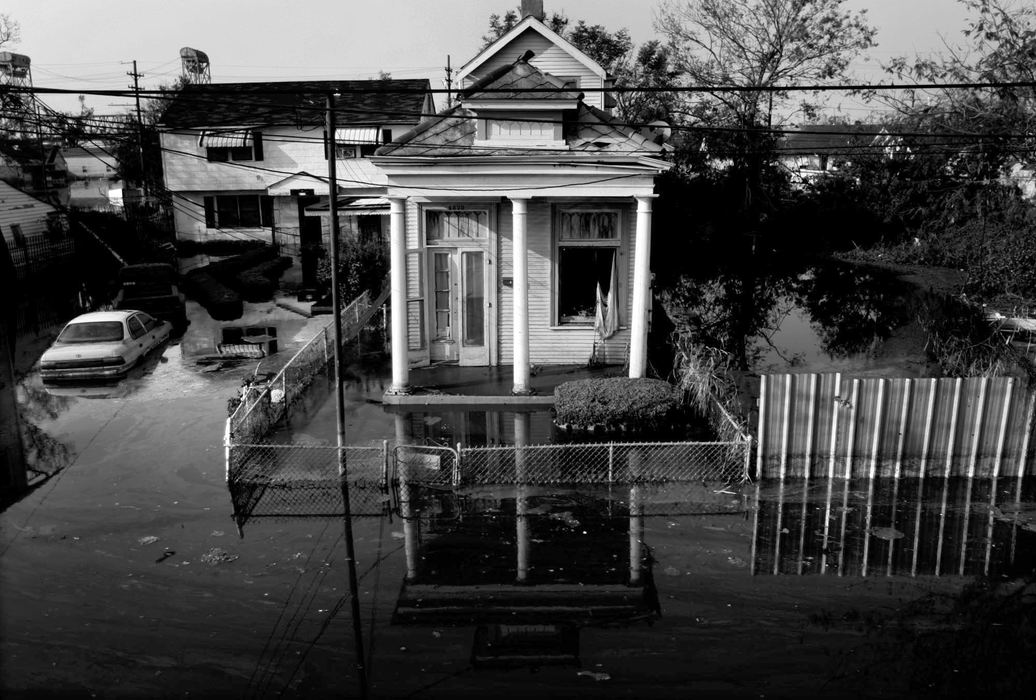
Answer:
(814, 151)
(245, 160)
(35, 232)
(512, 213)
(92, 174)
(20, 166)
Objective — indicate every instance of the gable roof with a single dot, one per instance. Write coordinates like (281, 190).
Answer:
(290, 103)
(588, 131)
(814, 139)
(529, 23)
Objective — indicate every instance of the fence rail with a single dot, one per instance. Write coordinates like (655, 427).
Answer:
(824, 424)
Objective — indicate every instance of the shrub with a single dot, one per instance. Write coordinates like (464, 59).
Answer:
(632, 405)
(222, 302)
(259, 283)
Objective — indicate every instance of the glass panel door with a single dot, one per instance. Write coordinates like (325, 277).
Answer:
(473, 347)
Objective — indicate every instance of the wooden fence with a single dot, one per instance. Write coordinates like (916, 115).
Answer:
(829, 425)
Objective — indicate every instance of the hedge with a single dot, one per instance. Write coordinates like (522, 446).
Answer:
(222, 302)
(259, 283)
(617, 403)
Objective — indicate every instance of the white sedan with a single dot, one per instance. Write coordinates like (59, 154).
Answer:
(102, 344)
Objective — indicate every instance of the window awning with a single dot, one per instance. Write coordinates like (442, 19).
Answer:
(225, 139)
(358, 136)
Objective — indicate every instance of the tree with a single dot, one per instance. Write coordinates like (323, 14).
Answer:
(501, 24)
(760, 45)
(10, 30)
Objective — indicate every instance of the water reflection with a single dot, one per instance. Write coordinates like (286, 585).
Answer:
(888, 527)
(472, 426)
(812, 317)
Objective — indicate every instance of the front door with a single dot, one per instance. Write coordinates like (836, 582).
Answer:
(459, 322)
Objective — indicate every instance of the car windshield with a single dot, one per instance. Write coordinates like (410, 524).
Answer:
(91, 332)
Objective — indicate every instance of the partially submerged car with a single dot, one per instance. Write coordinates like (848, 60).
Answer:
(102, 344)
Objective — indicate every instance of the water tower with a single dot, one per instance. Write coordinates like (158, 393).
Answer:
(17, 106)
(194, 66)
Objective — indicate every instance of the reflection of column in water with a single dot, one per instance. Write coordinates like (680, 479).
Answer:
(521, 439)
(850, 447)
(908, 396)
(780, 526)
(831, 458)
(410, 525)
(636, 518)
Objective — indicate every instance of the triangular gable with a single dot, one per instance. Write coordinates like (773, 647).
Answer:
(532, 24)
(299, 181)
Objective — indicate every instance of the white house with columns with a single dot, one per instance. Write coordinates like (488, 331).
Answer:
(520, 228)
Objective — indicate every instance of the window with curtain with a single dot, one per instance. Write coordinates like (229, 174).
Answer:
(587, 246)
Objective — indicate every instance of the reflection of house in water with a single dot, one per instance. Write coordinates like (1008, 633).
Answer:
(528, 567)
(887, 527)
(470, 425)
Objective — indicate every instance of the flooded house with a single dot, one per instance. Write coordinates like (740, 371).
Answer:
(520, 217)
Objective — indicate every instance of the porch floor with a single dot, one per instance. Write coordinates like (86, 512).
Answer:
(453, 384)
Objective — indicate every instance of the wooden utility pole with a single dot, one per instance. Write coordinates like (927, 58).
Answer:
(343, 472)
(140, 129)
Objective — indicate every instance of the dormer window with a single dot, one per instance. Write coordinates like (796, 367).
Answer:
(532, 129)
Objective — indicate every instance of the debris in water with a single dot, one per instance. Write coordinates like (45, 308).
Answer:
(149, 539)
(216, 556)
(672, 571)
(596, 675)
(165, 555)
(886, 533)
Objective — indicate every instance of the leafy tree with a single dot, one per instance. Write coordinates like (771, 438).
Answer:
(10, 30)
(501, 24)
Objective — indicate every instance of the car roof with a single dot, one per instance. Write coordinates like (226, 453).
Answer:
(100, 316)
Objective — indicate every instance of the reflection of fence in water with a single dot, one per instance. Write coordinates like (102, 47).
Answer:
(302, 480)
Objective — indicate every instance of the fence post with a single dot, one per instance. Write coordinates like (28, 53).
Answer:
(611, 462)
(456, 468)
(384, 466)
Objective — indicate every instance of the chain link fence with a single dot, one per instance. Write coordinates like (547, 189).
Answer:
(265, 403)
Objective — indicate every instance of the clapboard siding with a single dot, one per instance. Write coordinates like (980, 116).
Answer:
(549, 58)
(39, 247)
(550, 344)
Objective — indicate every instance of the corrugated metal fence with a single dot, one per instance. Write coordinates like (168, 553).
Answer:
(828, 425)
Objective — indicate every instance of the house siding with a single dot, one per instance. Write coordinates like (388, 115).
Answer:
(40, 248)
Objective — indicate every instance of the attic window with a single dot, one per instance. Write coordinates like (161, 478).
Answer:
(359, 142)
(223, 146)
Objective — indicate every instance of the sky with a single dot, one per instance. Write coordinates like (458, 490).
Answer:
(90, 45)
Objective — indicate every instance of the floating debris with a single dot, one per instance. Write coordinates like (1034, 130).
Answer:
(148, 539)
(886, 533)
(216, 556)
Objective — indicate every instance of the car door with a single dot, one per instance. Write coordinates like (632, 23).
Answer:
(139, 342)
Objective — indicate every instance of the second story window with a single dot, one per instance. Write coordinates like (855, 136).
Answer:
(223, 145)
(360, 142)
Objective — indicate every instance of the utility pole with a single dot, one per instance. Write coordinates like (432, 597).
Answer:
(449, 83)
(140, 128)
(343, 474)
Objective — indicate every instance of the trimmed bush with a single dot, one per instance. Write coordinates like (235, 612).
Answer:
(259, 283)
(222, 302)
(617, 404)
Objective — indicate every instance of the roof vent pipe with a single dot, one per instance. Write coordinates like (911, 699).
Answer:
(534, 8)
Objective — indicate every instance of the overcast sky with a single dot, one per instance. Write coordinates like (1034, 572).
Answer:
(88, 44)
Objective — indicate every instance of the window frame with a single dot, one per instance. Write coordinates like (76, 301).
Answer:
(615, 244)
(458, 241)
(214, 204)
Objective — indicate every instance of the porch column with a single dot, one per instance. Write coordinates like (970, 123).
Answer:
(397, 287)
(641, 288)
(520, 305)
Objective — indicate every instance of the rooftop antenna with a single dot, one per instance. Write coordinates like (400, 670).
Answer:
(194, 66)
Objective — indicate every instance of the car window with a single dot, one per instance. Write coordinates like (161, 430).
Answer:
(91, 332)
(136, 327)
(149, 321)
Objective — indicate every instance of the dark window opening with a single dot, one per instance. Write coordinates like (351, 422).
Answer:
(580, 270)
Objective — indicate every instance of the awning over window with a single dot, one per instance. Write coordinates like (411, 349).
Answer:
(225, 139)
(358, 136)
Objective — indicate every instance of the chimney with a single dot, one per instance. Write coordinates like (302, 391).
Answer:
(534, 8)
